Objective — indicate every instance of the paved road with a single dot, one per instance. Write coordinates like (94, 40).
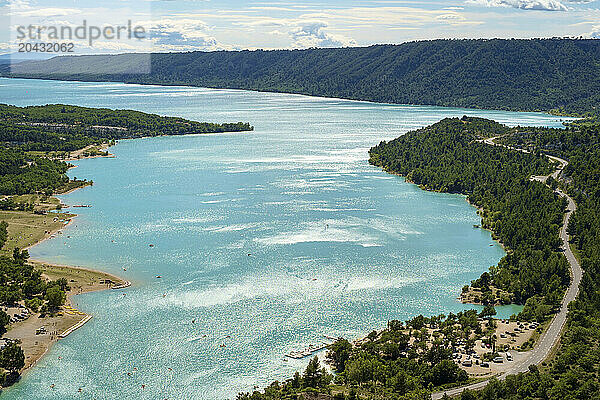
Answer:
(550, 337)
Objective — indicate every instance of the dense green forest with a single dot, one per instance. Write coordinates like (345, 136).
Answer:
(536, 74)
(100, 123)
(21, 174)
(29, 134)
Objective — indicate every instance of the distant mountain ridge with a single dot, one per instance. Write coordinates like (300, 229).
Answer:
(517, 74)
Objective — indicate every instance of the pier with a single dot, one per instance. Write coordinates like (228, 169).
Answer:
(310, 350)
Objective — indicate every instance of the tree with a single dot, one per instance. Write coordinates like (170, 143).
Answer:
(55, 297)
(446, 371)
(313, 373)
(34, 304)
(62, 284)
(4, 321)
(339, 353)
(360, 370)
(468, 395)
(19, 255)
(417, 322)
(352, 395)
(395, 325)
(12, 358)
(399, 382)
(296, 382)
(484, 281)
(488, 311)
(493, 340)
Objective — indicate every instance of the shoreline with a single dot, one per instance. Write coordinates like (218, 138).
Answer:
(479, 210)
(67, 320)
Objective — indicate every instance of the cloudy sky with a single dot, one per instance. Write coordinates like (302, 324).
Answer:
(181, 25)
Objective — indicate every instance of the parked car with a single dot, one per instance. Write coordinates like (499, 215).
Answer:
(498, 359)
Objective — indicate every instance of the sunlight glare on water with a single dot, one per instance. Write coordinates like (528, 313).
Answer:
(269, 240)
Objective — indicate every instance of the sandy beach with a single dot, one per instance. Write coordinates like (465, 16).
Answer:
(81, 280)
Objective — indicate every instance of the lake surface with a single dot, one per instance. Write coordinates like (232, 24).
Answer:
(268, 240)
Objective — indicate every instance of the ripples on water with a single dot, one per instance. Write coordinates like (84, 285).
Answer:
(269, 240)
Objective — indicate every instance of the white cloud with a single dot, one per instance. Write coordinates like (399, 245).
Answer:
(313, 34)
(304, 31)
(543, 5)
(452, 19)
(23, 8)
(183, 35)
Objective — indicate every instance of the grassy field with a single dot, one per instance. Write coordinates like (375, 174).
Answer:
(80, 279)
(26, 228)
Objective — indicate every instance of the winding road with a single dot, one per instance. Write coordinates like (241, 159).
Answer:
(551, 336)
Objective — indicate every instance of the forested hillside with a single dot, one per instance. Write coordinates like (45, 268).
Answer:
(538, 74)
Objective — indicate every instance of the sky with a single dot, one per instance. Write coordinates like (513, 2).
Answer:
(186, 25)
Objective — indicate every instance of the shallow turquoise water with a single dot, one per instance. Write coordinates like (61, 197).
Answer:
(336, 246)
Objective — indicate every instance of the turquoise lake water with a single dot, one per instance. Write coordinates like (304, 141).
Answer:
(337, 247)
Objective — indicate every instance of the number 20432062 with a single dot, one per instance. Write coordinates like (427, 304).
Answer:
(46, 47)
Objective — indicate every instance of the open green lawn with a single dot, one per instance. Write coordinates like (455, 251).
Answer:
(26, 229)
